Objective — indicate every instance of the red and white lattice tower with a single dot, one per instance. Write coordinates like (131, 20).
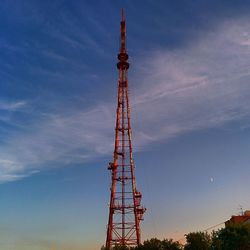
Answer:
(125, 211)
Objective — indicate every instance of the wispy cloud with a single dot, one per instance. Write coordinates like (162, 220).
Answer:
(72, 33)
(12, 106)
(197, 87)
(202, 86)
(8, 108)
(12, 171)
(58, 139)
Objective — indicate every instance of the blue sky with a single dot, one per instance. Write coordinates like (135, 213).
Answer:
(190, 97)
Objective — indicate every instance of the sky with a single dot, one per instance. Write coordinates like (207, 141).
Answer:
(190, 98)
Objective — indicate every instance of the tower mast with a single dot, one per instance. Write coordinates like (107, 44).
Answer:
(125, 211)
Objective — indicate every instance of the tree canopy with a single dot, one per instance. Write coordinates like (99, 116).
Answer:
(232, 237)
(198, 241)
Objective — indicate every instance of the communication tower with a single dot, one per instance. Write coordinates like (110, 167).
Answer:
(125, 210)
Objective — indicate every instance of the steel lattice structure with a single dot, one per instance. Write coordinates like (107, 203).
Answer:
(125, 211)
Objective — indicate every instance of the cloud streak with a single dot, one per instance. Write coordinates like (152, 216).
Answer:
(57, 140)
(12, 106)
(202, 86)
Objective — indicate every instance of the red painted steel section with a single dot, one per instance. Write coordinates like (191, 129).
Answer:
(125, 210)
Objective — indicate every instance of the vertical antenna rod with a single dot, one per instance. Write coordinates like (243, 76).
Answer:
(125, 211)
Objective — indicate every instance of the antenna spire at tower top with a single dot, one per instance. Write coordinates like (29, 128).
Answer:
(123, 34)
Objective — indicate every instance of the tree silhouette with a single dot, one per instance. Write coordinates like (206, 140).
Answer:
(198, 241)
(232, 237)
